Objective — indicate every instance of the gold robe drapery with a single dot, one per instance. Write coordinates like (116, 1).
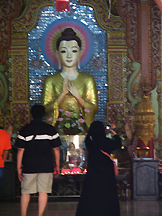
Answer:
(53, 87)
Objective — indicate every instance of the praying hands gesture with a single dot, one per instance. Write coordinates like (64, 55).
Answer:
(73, 90)
(68, 86)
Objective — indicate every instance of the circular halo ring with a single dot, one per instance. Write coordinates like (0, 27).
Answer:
(54, 30)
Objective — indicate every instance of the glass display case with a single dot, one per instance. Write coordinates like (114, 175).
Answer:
(72, 165)
(73, 154)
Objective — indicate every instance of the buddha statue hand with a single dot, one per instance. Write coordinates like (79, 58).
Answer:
(74, 91)
(65, 86)
(65, 91)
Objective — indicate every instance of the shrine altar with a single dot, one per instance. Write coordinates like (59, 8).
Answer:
(73, 154)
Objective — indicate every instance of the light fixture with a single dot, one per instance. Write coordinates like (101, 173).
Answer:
(62, 5)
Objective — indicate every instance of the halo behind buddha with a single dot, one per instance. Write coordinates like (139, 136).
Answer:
(53, 32)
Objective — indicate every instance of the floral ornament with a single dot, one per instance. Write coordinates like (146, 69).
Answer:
(36, 63)
(98, 62)
(86, 110)
(70, 123)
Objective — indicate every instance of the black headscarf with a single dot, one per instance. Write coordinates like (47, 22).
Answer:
(96, 134)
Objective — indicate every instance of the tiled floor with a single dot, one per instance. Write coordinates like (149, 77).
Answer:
(128, 208)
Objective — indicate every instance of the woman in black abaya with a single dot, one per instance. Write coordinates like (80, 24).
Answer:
(99, 194)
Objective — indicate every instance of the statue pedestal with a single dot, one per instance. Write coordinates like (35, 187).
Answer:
(72, 164)
(145, 179)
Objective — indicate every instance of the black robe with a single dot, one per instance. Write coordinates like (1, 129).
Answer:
(99, 193)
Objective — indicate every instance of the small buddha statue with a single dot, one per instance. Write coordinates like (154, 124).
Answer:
(69, 89)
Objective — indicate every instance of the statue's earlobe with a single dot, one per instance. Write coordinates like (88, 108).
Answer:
(79, 62)
(58, 59)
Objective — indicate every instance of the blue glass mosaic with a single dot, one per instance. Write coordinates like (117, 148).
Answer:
(97, 66)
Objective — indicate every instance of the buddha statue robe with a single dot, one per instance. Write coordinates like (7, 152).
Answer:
(53, 87)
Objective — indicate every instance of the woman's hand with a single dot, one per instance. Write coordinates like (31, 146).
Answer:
(112, 129)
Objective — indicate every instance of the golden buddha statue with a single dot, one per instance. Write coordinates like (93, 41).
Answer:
(70, 89)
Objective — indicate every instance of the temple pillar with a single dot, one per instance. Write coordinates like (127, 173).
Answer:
(20, 107)
(144, 46)
(144, 114)
(116, 53)
(159, 91)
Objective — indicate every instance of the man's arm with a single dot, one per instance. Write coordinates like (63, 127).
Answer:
(57, 159)
(19, 162)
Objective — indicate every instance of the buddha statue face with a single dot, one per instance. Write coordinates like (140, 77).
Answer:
(68, 48)
(69, 53)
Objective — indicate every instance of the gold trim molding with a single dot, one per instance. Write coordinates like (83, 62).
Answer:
(114, 23)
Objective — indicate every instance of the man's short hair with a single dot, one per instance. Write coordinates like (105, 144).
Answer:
(37, 111)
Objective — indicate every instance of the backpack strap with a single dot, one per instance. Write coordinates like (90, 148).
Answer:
(115, 166)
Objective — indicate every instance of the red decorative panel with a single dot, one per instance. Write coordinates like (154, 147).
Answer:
(20, 114)
(27, 22)
(155, 42)
(115, 77)
(128, 10)
(19, 78)
(102, 15)
(8, 11)
(114, 111)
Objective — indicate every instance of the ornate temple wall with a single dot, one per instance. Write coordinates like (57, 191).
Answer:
(124, 77)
